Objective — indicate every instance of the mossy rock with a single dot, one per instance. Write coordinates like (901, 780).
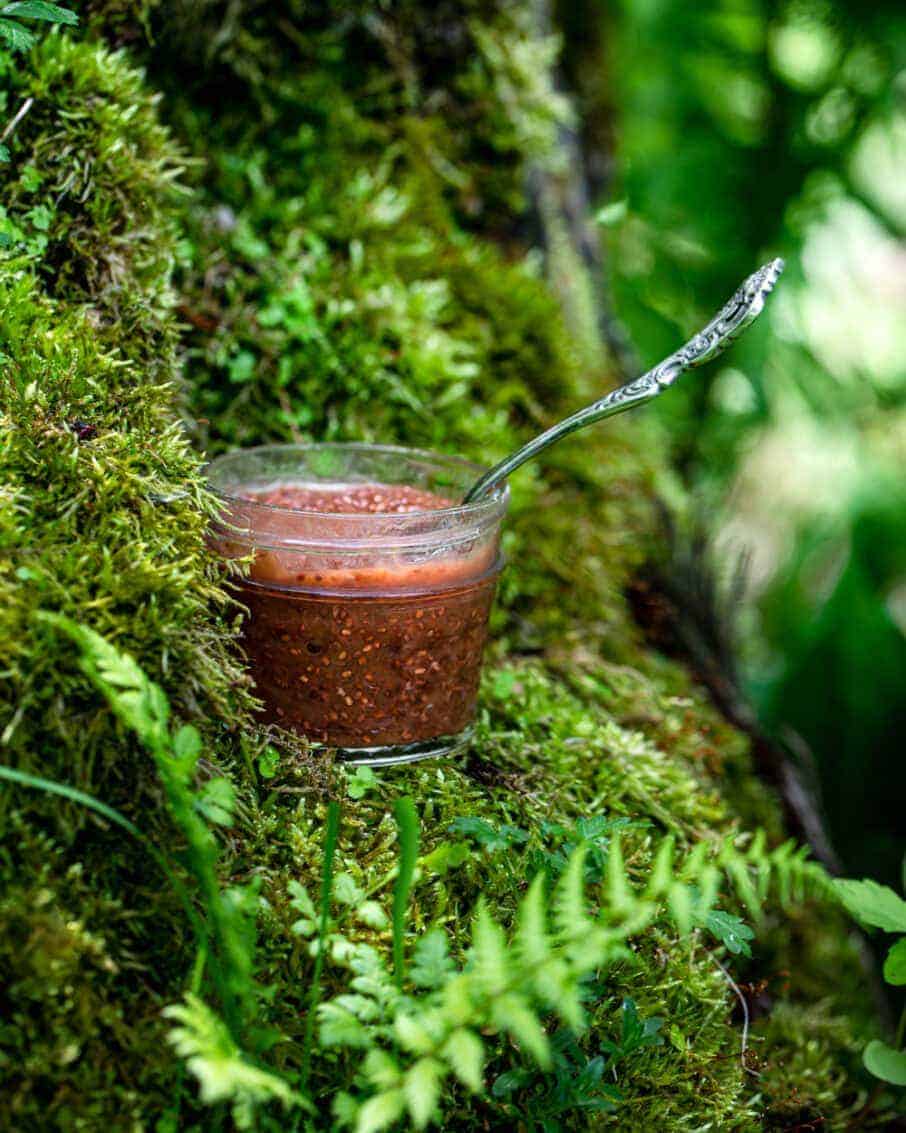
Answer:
(321, 229)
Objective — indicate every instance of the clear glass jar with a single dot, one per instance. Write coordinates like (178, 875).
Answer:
(365, 629)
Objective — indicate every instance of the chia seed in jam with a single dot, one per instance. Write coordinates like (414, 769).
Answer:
(360, 654)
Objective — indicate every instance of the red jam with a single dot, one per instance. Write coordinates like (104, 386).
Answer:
(386, 651)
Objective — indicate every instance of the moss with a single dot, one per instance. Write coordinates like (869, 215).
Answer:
(103, 512)
(352, 258)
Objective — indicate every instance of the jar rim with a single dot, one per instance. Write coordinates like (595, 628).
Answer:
(495, 500)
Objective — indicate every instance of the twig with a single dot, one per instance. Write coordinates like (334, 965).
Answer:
(744, 1046)
(17, 118)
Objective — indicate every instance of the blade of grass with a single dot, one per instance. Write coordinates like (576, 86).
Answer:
(407, 828)
(331, 835)
(63, 790)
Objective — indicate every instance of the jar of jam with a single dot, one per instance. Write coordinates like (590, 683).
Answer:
(368, 594)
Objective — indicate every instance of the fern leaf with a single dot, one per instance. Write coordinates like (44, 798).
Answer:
(570, 914)
(679, 901)
(431, 961)
(489, 953)
(380, 1112)
(223, 1075)
(421, 1088)
(381, 1070)
(532, 941)
(662, 870)
(464, 1051)
(412, 1035)
(339, 1027)
(739, 875)
(619, 895)
(511, 1013)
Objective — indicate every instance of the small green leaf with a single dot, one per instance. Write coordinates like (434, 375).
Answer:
(370, 913)
(31, 178)
(512, 1014)
(347, 891)
(39, 10)
(216, 801)
(422, 1087)
(873, 904)
(484, 834)
(380, 1112)
(302, 903)
(503, 683)
(677, 1038)
(381, 1070)
(679, 900)
(431, 963)
(531, 930)
(4, 153)
(360, 783)
(444, 857)
(340, 1027)
(268, 762)
(344, 1108)
(411, 1035)
(464, 1051)
(187, 748)
(507, 1083)
(885, 1063)
(489, 951)
(16, 36)
(895, 964)
(731, 931)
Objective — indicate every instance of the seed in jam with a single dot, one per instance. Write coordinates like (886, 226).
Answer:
(384, 653)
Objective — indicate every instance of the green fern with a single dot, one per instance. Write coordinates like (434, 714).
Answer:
(510, 985)
(142, 706)
(505, 987)
(224, 1073)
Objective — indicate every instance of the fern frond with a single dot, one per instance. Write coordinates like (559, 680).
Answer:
(508, 984)
(223, 1073)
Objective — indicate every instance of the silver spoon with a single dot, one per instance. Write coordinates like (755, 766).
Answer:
(726, 326)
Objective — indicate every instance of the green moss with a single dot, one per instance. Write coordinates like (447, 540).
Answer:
(102, 511)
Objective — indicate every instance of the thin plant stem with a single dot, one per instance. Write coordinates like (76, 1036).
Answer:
(407, 828)
(53, 787)
(330, 847)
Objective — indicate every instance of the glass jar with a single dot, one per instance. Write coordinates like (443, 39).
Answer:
(364, 628)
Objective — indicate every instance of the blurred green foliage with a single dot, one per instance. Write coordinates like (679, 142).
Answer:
(745, 129)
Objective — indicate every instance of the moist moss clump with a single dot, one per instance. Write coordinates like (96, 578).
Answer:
(103, 508)
(354, 255)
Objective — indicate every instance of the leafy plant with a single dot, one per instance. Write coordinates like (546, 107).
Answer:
(636, 1033)
(439, 1023)
(224, 1074)
(878, 906)
(16, 35)
(331, 834)
(226, 932)
(488, 836)
(575, 1083)
(360, 782)
(143, 707)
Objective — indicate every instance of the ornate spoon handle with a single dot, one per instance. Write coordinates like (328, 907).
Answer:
(726, 326)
